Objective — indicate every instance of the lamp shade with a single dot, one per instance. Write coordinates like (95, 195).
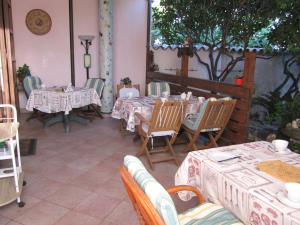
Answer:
(87, 60)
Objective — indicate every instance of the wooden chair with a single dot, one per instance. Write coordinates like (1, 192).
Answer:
(211, 119)
(120, 86)
(98, 85)
(154, 205)
(31, 83)
(157, 88)
(166, 120)
(122, 92)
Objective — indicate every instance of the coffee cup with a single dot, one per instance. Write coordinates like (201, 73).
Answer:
(293, 191)
(280, 145)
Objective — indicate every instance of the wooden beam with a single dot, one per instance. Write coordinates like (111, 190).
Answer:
(71, 25)
(185, 62)
(149, 12)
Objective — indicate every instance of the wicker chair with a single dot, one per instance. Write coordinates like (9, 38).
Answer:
(166, 120)
(211, 119)
(154, 205)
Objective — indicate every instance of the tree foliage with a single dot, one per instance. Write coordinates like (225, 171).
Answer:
(285, 35)
(214, 23)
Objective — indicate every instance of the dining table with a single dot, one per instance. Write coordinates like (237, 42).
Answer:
(248, 179)
(125, 108)
(61, 101)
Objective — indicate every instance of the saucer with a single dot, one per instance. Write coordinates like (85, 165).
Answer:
(282, 197)
(287, 151)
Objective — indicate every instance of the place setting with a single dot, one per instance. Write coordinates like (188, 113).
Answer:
(281, 147)
(290, 196)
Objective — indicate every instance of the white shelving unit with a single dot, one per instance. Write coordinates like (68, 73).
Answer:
(11, 176)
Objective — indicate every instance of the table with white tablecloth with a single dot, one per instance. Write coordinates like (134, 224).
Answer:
(238, 185)
(125, 108)
(56, 100)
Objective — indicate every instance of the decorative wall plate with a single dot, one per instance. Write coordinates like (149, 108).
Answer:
(38, 21)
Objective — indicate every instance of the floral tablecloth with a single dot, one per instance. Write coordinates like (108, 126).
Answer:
(125, 108)
(239, 186)
(53, 100)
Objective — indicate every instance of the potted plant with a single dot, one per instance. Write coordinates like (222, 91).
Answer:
(22, 72)
(126, 81)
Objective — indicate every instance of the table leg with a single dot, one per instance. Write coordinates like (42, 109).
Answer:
(53, 120)
(66, 123)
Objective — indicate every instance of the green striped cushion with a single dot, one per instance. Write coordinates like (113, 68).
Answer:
(208, 214)
(95, 83)
(159, 197)
(30, 83)
(157, 88)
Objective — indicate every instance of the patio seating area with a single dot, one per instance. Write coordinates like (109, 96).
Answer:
(74, 179)
(154, 112)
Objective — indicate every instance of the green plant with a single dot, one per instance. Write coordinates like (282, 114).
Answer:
(126, 81)
(23, 71)
(2, 144)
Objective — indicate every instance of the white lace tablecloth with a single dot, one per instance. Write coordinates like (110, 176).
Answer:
(53, 100)
(125, 108)
(239, 186)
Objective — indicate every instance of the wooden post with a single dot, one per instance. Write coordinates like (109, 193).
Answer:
(185, 62)
(249, 70)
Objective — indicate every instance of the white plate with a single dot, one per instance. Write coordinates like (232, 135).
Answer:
(281, 196)
(220, 156)
(287, 151)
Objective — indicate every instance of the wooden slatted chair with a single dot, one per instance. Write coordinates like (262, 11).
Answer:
(157, 88)
(166, 121)
(154, 205)
(211, 119)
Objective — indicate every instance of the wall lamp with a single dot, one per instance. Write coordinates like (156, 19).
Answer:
(86, 41)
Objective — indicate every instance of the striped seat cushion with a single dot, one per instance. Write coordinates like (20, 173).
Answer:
(30, 83)
(159, 197)
(157, 88)
(95, 83)
(208, 214)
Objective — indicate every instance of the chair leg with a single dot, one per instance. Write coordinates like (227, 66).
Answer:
(192, 142)
(144, 150)
(171, 150)
(97, 110)
(213, 142)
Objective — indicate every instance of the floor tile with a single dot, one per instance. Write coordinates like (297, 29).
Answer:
(75, 218)
(44, 213)
(98, 206)
(68, 196)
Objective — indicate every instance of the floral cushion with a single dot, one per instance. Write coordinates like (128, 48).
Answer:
(208, 214)
(159, 197)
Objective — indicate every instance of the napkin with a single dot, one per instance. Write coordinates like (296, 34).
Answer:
(69, 88)
(183, 96)
(188, 96)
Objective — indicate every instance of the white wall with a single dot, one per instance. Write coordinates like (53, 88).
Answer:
(167, 62)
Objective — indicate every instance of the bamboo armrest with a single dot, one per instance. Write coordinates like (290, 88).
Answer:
(141, 118)
(178, 188)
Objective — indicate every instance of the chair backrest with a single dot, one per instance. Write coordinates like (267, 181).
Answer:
(167, 116)
(151, 201)
(30, 83)
(129, 86)
(157, 88)
(96, 83)
(215, 115)
(129, 92)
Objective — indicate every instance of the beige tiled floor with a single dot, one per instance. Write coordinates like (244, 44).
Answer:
(73, 178)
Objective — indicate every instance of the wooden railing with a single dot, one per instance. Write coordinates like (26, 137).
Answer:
(237, 129)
